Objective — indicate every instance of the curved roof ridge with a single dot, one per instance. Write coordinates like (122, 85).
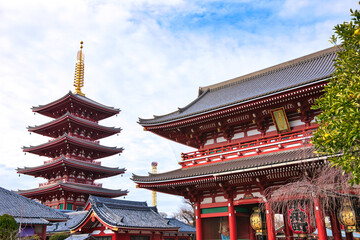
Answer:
(72, 160)
(79, 97)
(180, 110)
(66, 136)
(70, 115)
(270, 70)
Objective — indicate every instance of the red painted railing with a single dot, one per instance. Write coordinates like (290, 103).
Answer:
(254, 147)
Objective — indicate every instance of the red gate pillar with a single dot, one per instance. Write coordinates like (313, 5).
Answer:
(198, 221)
(232, 219)
(43, 232)
(270, 222)
(349, 236)
(252, 233)
(320, 223)
(335, 227)
(287, 230)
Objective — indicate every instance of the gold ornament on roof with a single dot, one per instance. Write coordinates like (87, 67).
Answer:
(79, 71)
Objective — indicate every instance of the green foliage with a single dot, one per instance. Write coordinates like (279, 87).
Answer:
(339, 131)
(59, 236)
(32, 237)
(8, 227)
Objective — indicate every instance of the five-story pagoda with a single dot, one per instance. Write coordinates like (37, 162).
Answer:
(73, 150)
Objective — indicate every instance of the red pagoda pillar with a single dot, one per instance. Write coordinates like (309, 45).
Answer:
(335, 227)
(270, 222)
(320, 223)
(287, 230)
(232, 219)
(199, 235)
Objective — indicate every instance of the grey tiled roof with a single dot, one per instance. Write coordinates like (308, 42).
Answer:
(35, 221)
(74, 218)
(86, 236)
(74, 187)
(74, 163)
(285, 76)
(285, 156)
(183, 227)
(26, 210)
(125, 214)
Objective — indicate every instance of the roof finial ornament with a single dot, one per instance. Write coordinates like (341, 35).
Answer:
(79, 71)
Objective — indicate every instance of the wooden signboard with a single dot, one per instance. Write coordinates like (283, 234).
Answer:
(280, 120)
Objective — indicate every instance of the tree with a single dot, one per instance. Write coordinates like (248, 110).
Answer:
(8, 227)
(186, 213)
(338, 134)
(59, 236)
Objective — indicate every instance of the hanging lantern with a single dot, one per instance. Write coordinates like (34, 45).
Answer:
(299, 220)
(347, 216)
(257, 221)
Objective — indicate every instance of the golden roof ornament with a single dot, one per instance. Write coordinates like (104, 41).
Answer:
(79, 71)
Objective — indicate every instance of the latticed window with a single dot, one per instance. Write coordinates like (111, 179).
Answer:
(139, 238)
(103, 238)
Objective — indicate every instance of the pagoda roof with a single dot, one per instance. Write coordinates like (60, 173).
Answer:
(253, 163)
(72, 187)
(67, 139)
(70, 118)
(261, 84)
(27, 211)
(63, 161)
(116, 214)
(71, 97)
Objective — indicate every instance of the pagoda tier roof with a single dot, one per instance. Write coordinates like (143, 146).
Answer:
(70, 98)
(117, 214)
(63, 162)
(253, 163)
(72, 187)
(258, 85)
(68, 118)
(65, 140)
(27, 211)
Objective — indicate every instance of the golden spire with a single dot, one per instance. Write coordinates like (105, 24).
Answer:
(79, 72)
(154, 170)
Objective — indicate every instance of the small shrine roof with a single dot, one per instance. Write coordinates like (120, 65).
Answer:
(242, 164)
(183, 227)
(126, 214)
(74, 163)
(87, 189)
(74, 218)
(66, 139)
(283, 77)
(85, 236)
(79, 120)
(78, 98)
(27, 211)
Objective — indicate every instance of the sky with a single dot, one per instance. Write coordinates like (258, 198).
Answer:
(146, 57)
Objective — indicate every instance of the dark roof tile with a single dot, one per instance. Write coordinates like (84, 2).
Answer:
(288, 75)
(27, 210)
(285, 156)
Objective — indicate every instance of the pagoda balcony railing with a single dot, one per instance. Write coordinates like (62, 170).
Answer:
(69, 181)
(68, 156)
(249, 148)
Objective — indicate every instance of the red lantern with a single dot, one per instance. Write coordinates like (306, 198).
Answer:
(299, 220)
